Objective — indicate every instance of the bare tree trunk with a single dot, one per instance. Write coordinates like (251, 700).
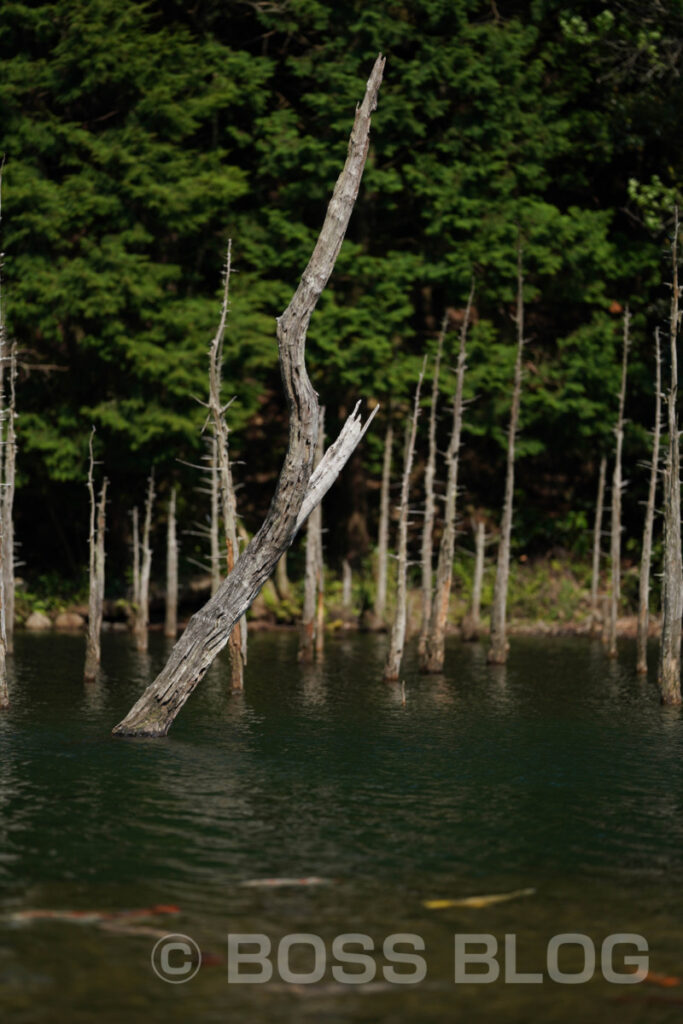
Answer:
(392, 665)
(313, 573)
(142, 619)
(214, 525)
(471, 627)
(136, 561)
(433, 657)
(227, 492)
(428, 523)
(383, 535)
(347, 585)
(98, 511)
(615, 534)
(171, 623)
(282, 584)
(8, 504)
(646, 556)
(672, 576)
(4, 692)
(299, 490)
(498, 651)
(597, 539)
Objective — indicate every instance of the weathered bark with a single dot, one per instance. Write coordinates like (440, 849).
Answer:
(299, 490)
(471, 626)
(669, 673)
(98, 513)
(136, 561)
(4, 692)
(226, 489)
(615, 523)
(433, 656)
(392, 665)
(308, 634)
(498, 651)
(8, 503)
(597, 545)
(646, 555)
(214, 524)
(142, 617)
(428, 522)
(383, 534)
(171, 621)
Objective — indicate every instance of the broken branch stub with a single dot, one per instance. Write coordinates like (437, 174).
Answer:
(209, 629)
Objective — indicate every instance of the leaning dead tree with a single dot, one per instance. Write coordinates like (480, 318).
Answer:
(392, 666)
(171, 620)
(646, 554)
(299, 490)
(597, 544)
(669, 673)
(617, 484)
(142, 614)
(310, 642)
(428, 522)
(383, 532)
(433, 656)
(95, 569)
(498, 651)
(226, 489)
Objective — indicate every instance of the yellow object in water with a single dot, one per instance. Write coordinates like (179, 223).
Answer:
(478, 902)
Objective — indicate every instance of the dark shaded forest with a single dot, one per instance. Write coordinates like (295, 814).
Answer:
(140, 137)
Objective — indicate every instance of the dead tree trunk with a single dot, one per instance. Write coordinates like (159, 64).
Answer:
(392, 665)
(672, 593)
(498, 651)
(8, 503)
(96, 571)
(597, 544)
(646, 556)
(282, 584)
(347, 585)
(171, 622)
(227, 492)
(432, 659)
(214, 525)
(142, 619)
(4, 692)
(471, 626)
(615, 528)
(383, 535)
(298, 490)
(313, 572)
(136, 563)
(428, 523)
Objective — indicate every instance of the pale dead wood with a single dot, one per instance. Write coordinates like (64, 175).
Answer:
(142, 617)
(428, 522)
(383, 530)
(646, 555)
(171, 618)
(597, 544)
(617, 484)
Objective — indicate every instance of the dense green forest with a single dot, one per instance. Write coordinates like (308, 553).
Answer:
(139, 137)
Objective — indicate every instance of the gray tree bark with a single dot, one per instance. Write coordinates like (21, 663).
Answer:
(498, 651)
(428, 523)
(347, 585)
(597, 544)
(4, 691)
(98, 512)
(142, 618)
(8, 503)
(615, 524)
(214, 525)
(308, 634)
(282, 584)
(171, 621)
(669, 671)
(136, 561)
(227, 491)
(646, 555)
(471, 626)
(383, 534)
(433, 656)
(392, 665)
(299, 490)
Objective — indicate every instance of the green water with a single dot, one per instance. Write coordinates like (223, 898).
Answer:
(559, 772)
